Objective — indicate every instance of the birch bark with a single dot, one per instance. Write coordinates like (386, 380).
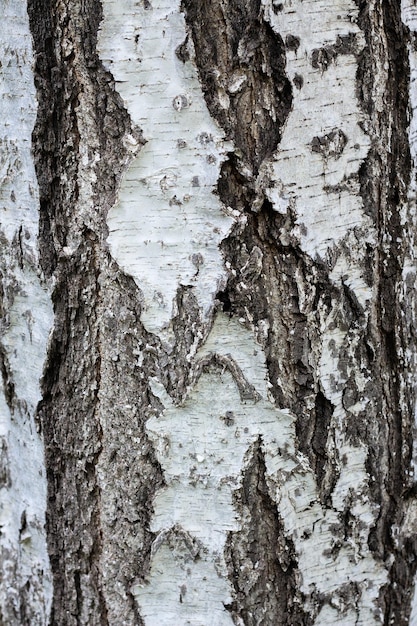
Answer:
(226, 202)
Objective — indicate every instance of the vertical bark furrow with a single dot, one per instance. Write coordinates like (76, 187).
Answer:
(384, 76)
(7, 376)
(323, 414)
(241, 63)
(101, 469)
(261, 560)
(72, 434)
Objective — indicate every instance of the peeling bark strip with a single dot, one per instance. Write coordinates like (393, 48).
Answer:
(245, 466)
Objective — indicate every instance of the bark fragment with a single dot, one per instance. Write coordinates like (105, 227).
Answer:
(242, 68)
(261, 560)
(99, 485)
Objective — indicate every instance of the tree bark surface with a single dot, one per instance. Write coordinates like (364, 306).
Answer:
(208, 313)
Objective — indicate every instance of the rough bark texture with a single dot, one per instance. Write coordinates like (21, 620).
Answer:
(92, 414)
(227, 221)
(25, 320)
(261, 559)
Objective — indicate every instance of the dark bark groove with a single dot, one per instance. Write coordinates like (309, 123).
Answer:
(384, 181)
(242, 62)
(261, 560)
(100, 486)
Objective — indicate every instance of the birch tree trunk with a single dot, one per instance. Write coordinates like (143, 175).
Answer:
(208, 312)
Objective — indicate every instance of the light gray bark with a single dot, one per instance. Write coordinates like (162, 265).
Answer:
(225, 196)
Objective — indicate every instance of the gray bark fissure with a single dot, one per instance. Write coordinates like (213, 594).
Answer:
(241, 63)
(226, 215)
(260, 557)
(99, 487)
(391, 438)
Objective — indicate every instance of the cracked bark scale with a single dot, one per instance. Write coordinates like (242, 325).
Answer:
(226, 197)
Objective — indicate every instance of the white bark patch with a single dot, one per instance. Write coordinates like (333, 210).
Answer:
(26, 577)
(167, 224)
(203, 449)
(322, 145)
